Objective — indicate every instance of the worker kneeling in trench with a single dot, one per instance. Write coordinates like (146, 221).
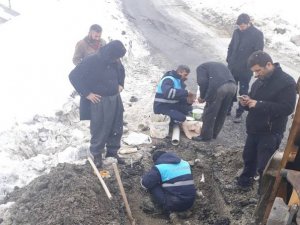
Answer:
(170, 183)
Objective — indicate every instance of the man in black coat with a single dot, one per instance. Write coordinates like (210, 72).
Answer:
(217, 88)
(271, 100)
(98, 79)
(246, 39)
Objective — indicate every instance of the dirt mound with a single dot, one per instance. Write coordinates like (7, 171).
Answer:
(69, 195)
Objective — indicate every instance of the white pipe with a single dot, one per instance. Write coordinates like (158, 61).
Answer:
(175, 135)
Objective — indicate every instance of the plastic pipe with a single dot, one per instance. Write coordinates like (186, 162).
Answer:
(175, 135)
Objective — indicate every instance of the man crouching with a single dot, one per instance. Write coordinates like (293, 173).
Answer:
(170, 182)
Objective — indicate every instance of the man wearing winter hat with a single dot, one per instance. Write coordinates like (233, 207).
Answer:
(246, 39)
(98, 79)
(170, 182)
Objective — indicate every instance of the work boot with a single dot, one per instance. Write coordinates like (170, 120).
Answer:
(149, 207)
(200, 139)
(238, 186)
(116, 156)
(98, 161)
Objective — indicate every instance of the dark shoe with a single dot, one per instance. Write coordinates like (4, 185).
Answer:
(200, 138)
(119, 159)
(228, 113)
(148, 206)
(238, 118)
(238, 186)
(98, 161)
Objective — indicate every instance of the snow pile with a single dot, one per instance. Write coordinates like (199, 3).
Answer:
(35, 82)
(278, 20)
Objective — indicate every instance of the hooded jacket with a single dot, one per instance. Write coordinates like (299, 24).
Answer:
(276, 99)
(101, 73)
(174, 176)
(242, 45)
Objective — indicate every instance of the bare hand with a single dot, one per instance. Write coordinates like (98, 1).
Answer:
(191, 98)
(244, 99)
(200, 100)
(252, 103)
(120, 88)
(94, 98)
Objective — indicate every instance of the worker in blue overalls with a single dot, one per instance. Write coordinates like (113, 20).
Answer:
(171, 97)
(170, 182)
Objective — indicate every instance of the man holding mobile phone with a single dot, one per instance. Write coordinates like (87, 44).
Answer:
(271, 100)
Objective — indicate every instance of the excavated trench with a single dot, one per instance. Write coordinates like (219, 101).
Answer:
(72, 194)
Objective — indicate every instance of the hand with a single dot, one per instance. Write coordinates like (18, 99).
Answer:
(252, 103)
(191, 98)
(94, 98)
(120, 88)
(200, 100)
(244, 100)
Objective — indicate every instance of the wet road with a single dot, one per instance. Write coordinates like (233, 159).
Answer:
(174, 34)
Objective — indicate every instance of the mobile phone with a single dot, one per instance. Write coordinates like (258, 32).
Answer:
(241, 97)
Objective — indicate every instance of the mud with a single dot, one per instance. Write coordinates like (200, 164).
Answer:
(72, 194)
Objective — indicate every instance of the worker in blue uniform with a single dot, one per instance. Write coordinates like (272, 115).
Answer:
(171, 96)
(170, 182)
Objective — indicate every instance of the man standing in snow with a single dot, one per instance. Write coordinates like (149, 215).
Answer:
(170, 183)
(171, 97)
(98, 79)
(271, 100)
(217, 88)
(246, 39)
(89, 45)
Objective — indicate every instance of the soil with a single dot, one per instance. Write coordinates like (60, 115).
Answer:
(72, 194)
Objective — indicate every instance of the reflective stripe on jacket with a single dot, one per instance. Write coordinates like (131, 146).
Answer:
(171, 171)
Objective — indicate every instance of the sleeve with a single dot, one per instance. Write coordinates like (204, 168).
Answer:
(151, 179)
(78, 54)
(230, 47)
(260, 42)
(202, 80)
(284, 105)
(121, 75)
(169, 92)
(77, 78)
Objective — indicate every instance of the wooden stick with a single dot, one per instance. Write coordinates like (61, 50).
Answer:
(123, 194)
(100, 178)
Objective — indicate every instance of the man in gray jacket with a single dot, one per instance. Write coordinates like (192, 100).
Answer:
(217, 88)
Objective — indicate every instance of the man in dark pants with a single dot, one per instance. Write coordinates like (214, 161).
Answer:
(217, 88)
(271, 100)
(171, 97)
(98, 79)
(170, 182)
(245, 40)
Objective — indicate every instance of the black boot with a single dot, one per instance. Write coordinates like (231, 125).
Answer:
(98, 161)
(119, 159)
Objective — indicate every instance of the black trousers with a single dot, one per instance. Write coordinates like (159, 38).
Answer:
(257, 151)
(215, 111)
(170, 203)
(106, 125)
(177, 111)
(242, 79)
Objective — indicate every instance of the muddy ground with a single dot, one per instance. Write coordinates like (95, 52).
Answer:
(71, 194)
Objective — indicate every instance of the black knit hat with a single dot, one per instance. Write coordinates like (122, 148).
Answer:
(243, 19)
(157, 154)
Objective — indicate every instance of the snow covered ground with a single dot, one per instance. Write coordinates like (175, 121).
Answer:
(36, 58)
(279, 21)
(36, 55)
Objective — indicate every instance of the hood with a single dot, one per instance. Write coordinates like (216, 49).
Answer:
(112, 51)
(168, 158)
